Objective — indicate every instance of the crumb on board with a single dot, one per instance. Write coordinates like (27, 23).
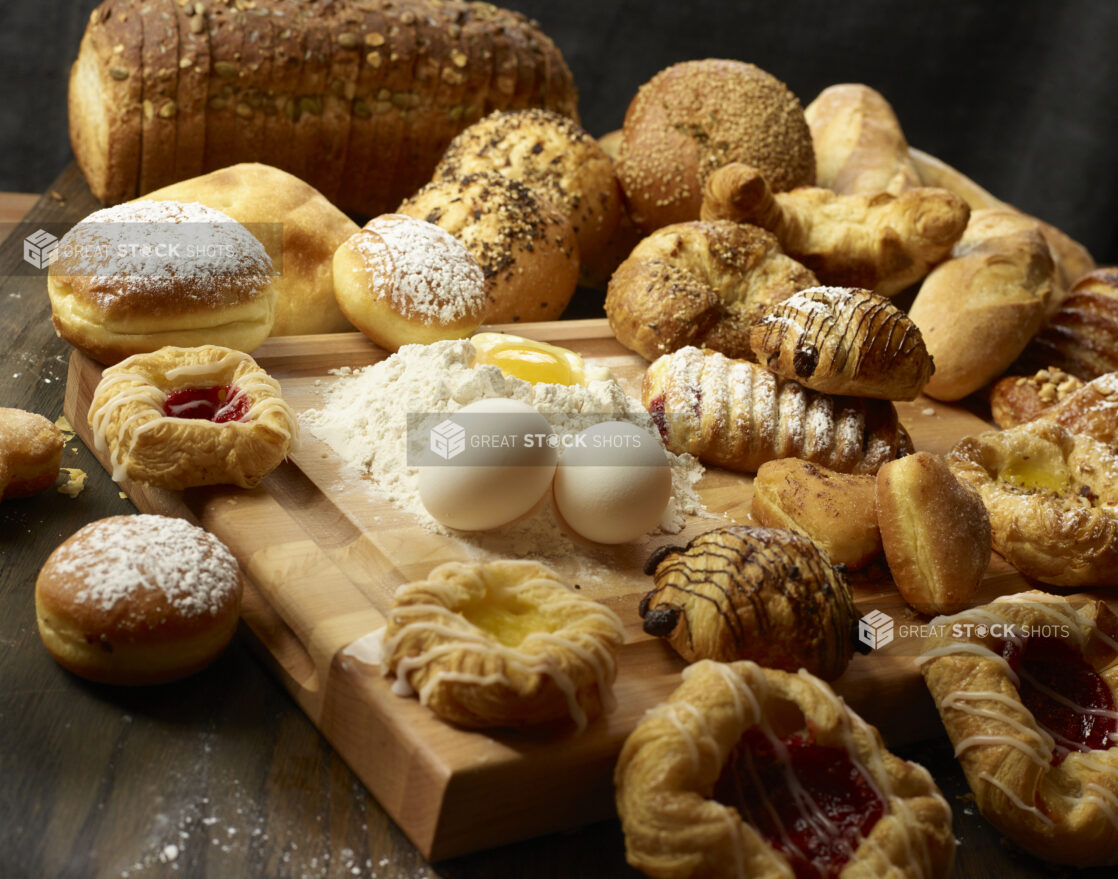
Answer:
(75, 481)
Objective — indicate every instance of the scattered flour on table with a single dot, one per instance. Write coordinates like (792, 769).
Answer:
(365, 420)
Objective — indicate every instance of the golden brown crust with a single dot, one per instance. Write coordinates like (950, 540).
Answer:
(504, 643)
(738, 415)
(358, 98)
(526, 248)
(979, 309)
(1062, 813)
(1052, 499)
(127, 419)
(878, 241)
(697, 116)
(138, 600)
(935, 533)
(742, 592)
(551, 154)
(405, 281)
(30, 453)
(843, 340)
(674, 758)
(1081, 336)
(298, 227)
(1017, 399)
(699, 283)
(859, 143)
(833, 510)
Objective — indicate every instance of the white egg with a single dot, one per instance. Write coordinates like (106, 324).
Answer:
(488, 463)
(613, 482)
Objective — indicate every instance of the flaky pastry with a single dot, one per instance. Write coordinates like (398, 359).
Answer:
(1052, 499)
(1018, 399)
(182, 417)
(502, 644)
(742, 592)
(1027, 688)
(739, 415)
(752, 772)
(843, 340)
(702, 284)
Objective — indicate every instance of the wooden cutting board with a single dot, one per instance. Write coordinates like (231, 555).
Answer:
(323, 555)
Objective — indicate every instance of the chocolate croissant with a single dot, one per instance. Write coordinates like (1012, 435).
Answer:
(843, 340)
(743, 592)
(738, 415)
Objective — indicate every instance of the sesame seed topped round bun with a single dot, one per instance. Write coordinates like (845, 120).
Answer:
(694, 117)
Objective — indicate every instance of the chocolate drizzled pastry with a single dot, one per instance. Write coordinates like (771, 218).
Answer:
(743, 592)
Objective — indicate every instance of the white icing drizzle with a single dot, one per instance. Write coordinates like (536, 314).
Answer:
(453, 632)
(1016, 800)
(960, 700)
(974, 650)
(122, 386)
(1101, 797)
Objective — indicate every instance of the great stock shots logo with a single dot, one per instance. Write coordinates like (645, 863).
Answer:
(448, 439)
(40, 248)
(875, 629)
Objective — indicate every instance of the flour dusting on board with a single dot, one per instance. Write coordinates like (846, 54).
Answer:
(364, 419)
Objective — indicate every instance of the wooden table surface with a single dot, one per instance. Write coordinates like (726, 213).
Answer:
(221, 775)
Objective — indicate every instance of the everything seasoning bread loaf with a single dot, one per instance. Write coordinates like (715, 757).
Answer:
(357, 97)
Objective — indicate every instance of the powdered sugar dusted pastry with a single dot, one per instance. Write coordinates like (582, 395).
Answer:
(136, 277)
(503, 644)
(1052, 499)
(30, 453)
(752, 772)
(743, 592)
(138, 600)
(405, 281)
(1027, 688)
(739, 415)
(843, 340)
(181, 417)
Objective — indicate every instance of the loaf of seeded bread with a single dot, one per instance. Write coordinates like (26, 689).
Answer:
(359, 98)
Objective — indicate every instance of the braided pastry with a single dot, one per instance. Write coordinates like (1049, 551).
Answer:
(738, 415)
(746, 771)
(843, 340)
(743, 592)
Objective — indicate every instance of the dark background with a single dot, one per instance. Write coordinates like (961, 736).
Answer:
(1020, 96)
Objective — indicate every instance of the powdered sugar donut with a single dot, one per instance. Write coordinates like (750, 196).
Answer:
(405, 281)
(138, 600)
(135, 277)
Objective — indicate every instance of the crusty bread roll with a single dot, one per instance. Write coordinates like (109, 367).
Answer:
(699, 283)
(136, 277)
(843, 340)
(403, 281)
(697, 116)
(978, 310)
(525, 246)
(935, 533)
(877, 241)
(138, 600)
(1081, 335)
(859, 143)
(834, 510)
(551, 154)
(738, 415)
(298, 227)
(357, 97)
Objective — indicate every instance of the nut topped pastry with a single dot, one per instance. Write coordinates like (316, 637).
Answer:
(843, 340)
(744, 592)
